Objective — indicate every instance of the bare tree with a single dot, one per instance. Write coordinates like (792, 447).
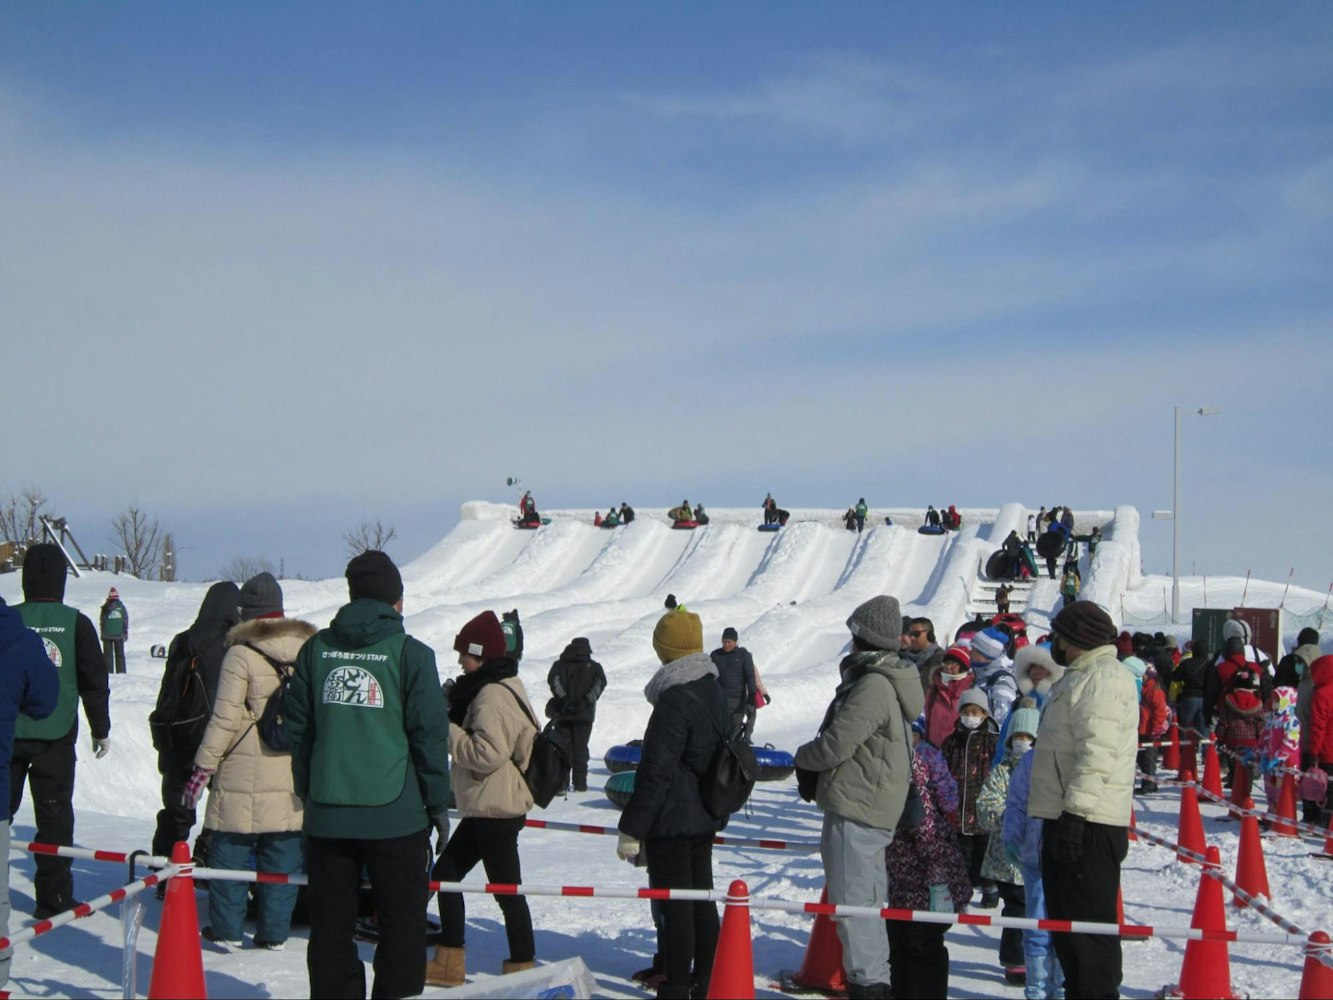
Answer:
(366, 536)
(167, 570)
(243, 568)
(140, 536)
(20, 515)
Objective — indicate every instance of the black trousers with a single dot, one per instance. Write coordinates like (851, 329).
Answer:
(174, 821)
(1011, 938)
(973, 848)
(579, 734)
(114, 651)
(493, 842)
(1147, 763)
(1087, 890)
(398, 885)
(918, 960)
(48, 766)
(690, 935)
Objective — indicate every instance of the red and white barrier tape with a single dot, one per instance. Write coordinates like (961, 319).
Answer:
(1305, 829)
(1226, 751)
(58, 851)
(809, 846)
(92, 906)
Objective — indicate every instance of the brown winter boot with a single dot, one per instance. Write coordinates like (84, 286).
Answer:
(446, 967)
(507, 966)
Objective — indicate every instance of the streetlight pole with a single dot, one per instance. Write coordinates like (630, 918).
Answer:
(1203, 411)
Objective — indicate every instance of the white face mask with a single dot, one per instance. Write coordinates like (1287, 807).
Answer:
(950, 678)
(1022, 744)
(971, 721)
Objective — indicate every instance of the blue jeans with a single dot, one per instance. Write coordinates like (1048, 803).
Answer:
(1045, 979)
(265, 852)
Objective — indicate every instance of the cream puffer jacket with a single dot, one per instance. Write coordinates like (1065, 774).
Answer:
(1087, 742)
(490, 751)
(251, 790)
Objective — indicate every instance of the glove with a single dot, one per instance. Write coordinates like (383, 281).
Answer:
(194, 788)
(1065, 836)
(441, 824)
(101, 747)
(628, 849)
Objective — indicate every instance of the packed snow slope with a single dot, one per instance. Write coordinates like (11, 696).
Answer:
(788, 594)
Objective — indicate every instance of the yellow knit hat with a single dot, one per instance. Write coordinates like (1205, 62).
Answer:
(678, 633)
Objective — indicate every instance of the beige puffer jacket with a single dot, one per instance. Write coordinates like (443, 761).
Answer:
(1084, 759)
(251, 791)
(490, 751)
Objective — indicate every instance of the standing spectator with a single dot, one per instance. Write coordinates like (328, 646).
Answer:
(1280, 745)
(370, 763)
(1032, 527)
(1021, 833)
(1094, 539)
(1067, 520)
(735, 674)
(993, 672)
(921, 649)
(1288, 672)
(1153, 721)
(44, 751)
(1041, 519)
(1036, 673)
(576, 681)
(1321, 713)
(1192, 675)
(1083, 786)
(31, 686)
(969, 751)
(665, 817)
(944, 695)
(115, 621)
(1240, 722)
(491, 729)
(862, 760)
(861, 511)
(253, 811)
(926, 872)
(1306, 653)
(193, 658)
(998, 867)
(1002, 593)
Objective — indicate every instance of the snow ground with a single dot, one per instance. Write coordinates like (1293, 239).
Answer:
(788, 594)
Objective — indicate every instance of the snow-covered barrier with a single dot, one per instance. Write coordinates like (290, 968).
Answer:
(1116, 566)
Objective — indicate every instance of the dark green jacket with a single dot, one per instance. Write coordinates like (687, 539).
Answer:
(426, 791)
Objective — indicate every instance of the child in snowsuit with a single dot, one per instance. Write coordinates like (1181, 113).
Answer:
(969, 750)
(1153, 721)
(1021, 833)
(1240, 723)
(1280, 745)
(926, 872)
(997, 866)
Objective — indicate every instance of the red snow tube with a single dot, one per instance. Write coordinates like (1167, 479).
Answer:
(685, 524)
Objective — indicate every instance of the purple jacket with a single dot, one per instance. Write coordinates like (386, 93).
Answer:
(927, 854)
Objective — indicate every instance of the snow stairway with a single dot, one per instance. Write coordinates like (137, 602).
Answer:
(981, 598)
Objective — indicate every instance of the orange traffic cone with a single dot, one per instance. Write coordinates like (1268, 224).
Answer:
(1328, 843)
(1171, 753)
(821, 970)
(1212, 770)
(1241, 785)
(178, 962)
(1189, 831)
(1206, 971)
(1251, 871)
(1188, 770)
(733, 968)
(1317, 978)
(1133, 827)
(1285, 824)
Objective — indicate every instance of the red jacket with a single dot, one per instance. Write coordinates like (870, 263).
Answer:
(1153, 716)
(941, 710)
(1321, 710)
(1241, 721)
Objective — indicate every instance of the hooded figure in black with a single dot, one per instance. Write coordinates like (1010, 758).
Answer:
(44, 750)
(184, 704)
(576, 681)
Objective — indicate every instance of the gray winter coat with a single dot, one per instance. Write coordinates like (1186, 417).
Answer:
(862, 752)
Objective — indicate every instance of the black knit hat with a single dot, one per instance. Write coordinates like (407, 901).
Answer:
(730, 633)
(1308, 637)
(1085, 625)
(44, 570)
(372, 574)
(261, 597)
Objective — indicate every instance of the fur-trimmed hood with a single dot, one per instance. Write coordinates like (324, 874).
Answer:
(681, 671)
(263, 633)
(1034, 655)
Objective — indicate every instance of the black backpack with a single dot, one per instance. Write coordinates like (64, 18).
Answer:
(178, 721)
(725, 785)
(272, 723)
(548, 766)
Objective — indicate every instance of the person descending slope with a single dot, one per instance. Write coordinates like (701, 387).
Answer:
(576, 681)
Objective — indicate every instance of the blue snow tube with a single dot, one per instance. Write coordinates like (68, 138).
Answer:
(774, 765)
(774, 526)
(622, 758)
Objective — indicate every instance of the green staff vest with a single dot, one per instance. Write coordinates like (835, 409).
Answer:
(55, 624)
(361, 752)
(114, 625)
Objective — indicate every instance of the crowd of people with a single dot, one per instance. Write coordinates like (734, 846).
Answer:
(989, 771)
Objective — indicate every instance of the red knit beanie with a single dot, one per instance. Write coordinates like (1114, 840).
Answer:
(482, 637)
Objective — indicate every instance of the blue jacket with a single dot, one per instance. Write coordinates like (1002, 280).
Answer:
(1021, 833)
(29, 684)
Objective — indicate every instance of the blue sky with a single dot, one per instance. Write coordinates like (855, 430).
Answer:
(273, 268)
